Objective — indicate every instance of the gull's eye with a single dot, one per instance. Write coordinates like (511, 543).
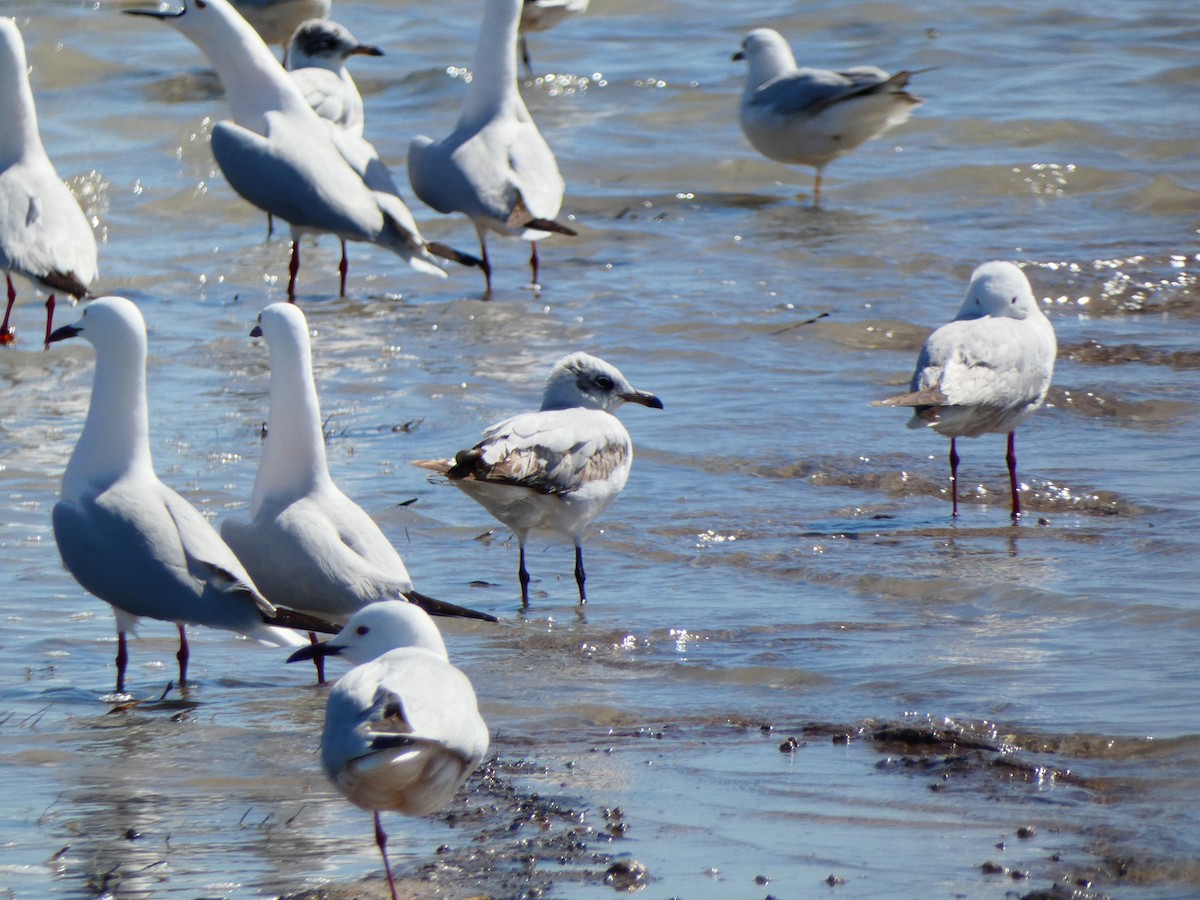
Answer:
(200, 4)
(1013, 300)
(361, 629)
(604, 383)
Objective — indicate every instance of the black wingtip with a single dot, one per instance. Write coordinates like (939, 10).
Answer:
(437, 607)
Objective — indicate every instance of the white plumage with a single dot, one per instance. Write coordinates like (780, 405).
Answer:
(125, 536)
(812, 116)
(986, 371)
(316, 60)
(556, 469)
(44, 235)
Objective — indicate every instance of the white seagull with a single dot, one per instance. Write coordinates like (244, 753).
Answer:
(986, 371)
(316, 59)
(44, 235)
(556, 469)
(277, 20)
(402, 728)
(540, 15)
(810, 117)
(127, 537)
(495, 167)
(306, 544)
(282, 157)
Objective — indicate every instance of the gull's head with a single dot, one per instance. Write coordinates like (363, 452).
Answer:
(376, 629)
(324, 44)
(109, 322)
(281, 320)
(767, 52)
(579, 379)
(999, 289)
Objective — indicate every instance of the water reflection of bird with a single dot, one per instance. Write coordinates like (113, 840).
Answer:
(402, 728)
(986, 371)
(556, 469)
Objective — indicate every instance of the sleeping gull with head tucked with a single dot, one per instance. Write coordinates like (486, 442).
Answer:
(556, 469)
(987, 371)
(282, 157)
(495, 167)
(402, 728)
(44, 235)
(127, 537)
(305, 543)
(811, 117)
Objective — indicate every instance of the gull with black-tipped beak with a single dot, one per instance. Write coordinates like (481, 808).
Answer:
(495, 167)
(305, 543)
(285, 159)
(556, 469)
(402, 728)
(128, 538)
(985, 372)
(44, 235)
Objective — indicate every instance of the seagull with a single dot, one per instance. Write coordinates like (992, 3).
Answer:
(44, 234)
(556, 469)
(305, 543)
(540, 15)
(128, 538)
(810, 117)
(987, 371)
(281, 156)
(402, 728)
(495, 167)
(316, 59)
(277, 20)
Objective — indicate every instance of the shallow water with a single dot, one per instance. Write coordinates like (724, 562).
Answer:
(782, 563)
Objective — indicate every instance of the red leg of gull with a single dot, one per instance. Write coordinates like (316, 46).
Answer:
(580, 575)
(318, 661)
(293, 268)
(122, 661)
(183, 655)
(7, 335)
(953, 478)
(343, 267)
(1011, 459)
(49, 319)
(381, 843)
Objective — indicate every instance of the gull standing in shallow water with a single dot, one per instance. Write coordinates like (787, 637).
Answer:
(316, 59)
(127, 537)
(281, 156)
(987, 371)
(305, 543)
(44, 235)
(495, 167)
(810, 117)
(402, 728)
(556, 469)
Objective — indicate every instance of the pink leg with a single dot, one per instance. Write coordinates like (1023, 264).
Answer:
(49, 319)
(381, 843)
(343, 267)
(293, 269)
(122, 661)
(183, 655)
(318, 661)
(7, 335)
(1011, 459)
(953, 478)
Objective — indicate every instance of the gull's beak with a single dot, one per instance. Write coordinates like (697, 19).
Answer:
(737, 57)
(256, 331)
(157, 13)
(366, 50)
(61, 334)
(643, 398)
(315, 651)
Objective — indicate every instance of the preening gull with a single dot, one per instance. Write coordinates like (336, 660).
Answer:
(556, 469)
(127, 537)
(539, 15)
(281, 156)
(305, 543)
(44, 235)
(495, 167)
(809, 116)
(402, 728)
(987, 370)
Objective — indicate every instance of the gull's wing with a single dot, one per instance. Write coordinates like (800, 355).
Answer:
(330, 97)
(808, 91)
(43, 232)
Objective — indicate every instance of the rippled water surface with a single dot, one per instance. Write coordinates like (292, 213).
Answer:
(965, 709)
